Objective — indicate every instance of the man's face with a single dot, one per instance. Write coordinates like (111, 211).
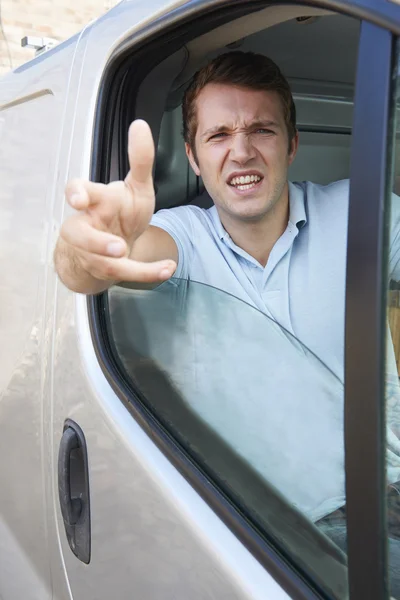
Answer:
(242, 149)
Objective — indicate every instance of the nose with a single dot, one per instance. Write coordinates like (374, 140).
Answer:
(242, 150)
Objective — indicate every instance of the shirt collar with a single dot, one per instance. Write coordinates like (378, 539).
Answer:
(297, 214)
(297, 208)
(221, 232)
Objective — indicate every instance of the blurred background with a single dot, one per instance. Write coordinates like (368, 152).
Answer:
(55, 19)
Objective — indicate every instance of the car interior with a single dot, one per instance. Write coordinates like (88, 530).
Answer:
(320, 71)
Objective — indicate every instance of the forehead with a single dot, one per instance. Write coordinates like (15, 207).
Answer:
(221, 104)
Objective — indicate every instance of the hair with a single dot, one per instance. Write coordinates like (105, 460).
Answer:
(242, 69)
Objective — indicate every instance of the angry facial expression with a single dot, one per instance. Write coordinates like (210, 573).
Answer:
(242, 150)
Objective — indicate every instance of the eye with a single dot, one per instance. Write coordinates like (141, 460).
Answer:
(264, 131)
(221, 134)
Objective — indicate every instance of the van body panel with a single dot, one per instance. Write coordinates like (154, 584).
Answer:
(32, 104)
(152, 536)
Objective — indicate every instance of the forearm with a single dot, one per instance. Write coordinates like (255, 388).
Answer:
(72, 273)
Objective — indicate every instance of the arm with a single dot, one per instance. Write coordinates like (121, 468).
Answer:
(87, 273)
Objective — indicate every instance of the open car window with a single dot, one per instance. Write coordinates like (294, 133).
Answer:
(248, 402)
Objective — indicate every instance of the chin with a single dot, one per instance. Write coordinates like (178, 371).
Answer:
(248, 210)
(250, 215)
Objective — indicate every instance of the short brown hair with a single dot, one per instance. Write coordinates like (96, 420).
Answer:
(243, 69)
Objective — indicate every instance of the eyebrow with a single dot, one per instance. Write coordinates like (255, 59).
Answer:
(253, 124)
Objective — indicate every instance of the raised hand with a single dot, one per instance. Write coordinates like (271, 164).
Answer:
(96, 243)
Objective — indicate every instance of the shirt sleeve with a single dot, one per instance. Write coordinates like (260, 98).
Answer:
(394, 253)
(178, 223)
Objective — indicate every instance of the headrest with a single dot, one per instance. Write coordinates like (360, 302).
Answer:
(202, 201)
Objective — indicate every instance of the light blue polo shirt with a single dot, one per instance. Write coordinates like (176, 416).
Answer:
(293, 410)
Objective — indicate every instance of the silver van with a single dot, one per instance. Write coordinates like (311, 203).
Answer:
(124, 470)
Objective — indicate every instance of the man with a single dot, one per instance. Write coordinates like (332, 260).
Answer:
(113, 241)
(280, 247)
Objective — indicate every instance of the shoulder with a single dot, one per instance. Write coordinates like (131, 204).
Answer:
(326, 199)
(188, 214)
(178, 214)
(186, 222)
(334, 190)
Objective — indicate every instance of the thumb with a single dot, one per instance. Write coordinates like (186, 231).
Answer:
(141, 156)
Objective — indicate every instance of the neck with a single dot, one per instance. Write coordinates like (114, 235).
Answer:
(257, 238)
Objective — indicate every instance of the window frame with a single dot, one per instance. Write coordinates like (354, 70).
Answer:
(111, 106)
(365, 439)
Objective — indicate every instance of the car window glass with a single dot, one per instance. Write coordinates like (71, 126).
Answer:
(194, 354)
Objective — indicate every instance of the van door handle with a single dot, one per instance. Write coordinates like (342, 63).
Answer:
(73, 489)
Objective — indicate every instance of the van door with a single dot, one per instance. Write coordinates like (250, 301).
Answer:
(139, 537)
(154, 497)
(32, 108)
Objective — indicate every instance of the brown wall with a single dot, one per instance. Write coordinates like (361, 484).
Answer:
(43, 18)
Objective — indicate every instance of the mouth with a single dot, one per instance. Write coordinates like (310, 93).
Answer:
(245, 181)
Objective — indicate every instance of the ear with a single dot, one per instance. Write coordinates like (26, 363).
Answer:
(192, 160)
(293, 147)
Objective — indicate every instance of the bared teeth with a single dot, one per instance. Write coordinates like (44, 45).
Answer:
(246, 186)
(245, 180)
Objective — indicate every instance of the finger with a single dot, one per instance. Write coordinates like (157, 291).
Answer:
(79, 233)
(141, 157)
(125, 269)
(81, 194)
